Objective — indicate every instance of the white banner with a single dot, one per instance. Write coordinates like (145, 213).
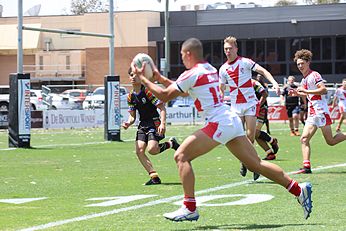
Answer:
(73, 118)
(95, 118)
(24, 107)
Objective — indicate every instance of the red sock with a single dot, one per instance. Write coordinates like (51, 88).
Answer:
(306, 164)
(294, 188)
(190, 203)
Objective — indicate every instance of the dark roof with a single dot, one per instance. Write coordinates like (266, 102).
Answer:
(257, 22)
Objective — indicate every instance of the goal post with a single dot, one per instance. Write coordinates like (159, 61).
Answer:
(20, 76)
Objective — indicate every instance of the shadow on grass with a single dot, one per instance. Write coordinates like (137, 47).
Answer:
(171, 183)
(332, 173)
(264, 182)
(246, 227)
(39, 148)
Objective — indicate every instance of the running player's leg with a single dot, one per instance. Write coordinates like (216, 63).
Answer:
(250, 124)
(141, 145)
(308, 131)
(264, 138)
(241, 148)
(341, 119)
(295, 116)
(261, 142)
(190, 149)
(330, 139)
(154, 147)
(290, 119)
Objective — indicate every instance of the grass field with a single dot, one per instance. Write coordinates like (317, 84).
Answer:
(66, 168)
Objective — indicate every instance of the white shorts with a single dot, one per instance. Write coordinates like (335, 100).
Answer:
(342, 107)
(319, 120)
(224, 130)
(244, 109)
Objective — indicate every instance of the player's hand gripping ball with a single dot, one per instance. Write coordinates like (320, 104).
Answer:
(138, 61)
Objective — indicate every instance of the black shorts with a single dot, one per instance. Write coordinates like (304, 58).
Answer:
(262, 116)
(148, 133)
(303, 108)
(292, 110)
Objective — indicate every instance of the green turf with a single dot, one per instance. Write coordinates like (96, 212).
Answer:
(70, 166)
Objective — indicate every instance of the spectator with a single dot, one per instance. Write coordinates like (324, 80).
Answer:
(292, 106)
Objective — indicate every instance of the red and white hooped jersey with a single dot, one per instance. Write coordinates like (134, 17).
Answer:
(340, 93)
(317, 103)
(237, 75)
(202, 83)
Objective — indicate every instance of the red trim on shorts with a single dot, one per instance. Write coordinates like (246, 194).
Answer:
(328, 119)
(258, 107)
(210, 129)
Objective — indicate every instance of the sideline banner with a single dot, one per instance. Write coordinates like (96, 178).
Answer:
(277, 113)
(280, 113)
(73, 118)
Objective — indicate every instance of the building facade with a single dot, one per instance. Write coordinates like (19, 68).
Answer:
(57, 59)
(269, 36)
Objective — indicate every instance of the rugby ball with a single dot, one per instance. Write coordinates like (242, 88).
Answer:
(139, 59)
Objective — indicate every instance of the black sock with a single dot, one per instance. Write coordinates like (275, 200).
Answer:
(264, 136)
(164, 146)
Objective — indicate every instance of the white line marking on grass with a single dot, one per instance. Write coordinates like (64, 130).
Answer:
(59, 145)
(156, 202)
(62, 145)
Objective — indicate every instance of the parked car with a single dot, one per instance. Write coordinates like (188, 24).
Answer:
(63, 102)
(330, 95)
(97, 98)
(77, 96)
(227, 98)
(36, 100)
(183, 102)
(273, 99)
(4, 97)
(76, 93)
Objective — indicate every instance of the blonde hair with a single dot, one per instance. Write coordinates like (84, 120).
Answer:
(292, 77)
(303, 54)
(231, 39)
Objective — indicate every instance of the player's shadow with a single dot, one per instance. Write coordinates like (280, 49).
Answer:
(245, 226)
(332, 173)
(40, 148)
(263, 182)
(171, 183)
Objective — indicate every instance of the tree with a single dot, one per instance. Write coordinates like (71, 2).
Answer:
(285, 3)
(312, 2)
(86, 6)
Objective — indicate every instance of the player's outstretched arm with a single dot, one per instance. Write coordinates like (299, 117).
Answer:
(162, 128)
(130, 120)
(261, 70)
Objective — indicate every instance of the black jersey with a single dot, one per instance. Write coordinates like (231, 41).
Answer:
(259, 88)
(146, 104)
(290, 100)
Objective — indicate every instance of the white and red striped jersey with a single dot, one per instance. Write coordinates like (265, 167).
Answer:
(340, 93)
(202, 83)
(237, 75)
(317, 103)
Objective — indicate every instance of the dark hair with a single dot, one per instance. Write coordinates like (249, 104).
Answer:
(130, 72)
(195, 46)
